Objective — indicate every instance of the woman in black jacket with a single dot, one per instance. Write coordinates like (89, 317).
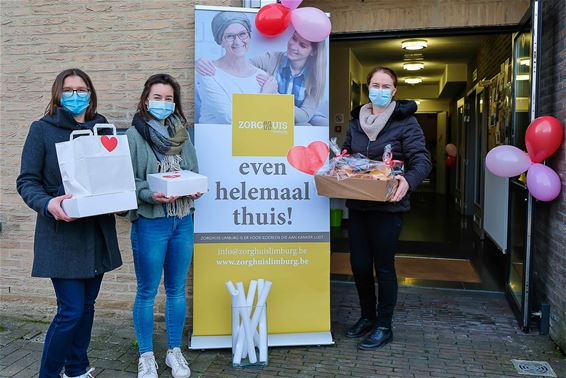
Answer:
(374, 227)
(73, 253)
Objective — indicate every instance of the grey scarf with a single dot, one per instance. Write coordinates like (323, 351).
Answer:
(165, 139)
(168, 151)
(373, 124)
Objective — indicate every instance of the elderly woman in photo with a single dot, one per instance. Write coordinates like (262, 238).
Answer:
(234, 72)
(300, 71)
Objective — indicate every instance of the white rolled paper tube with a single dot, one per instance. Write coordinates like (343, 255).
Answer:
(251, 293)
(245, 314)
(262, 342)
(260, 285)
(237, 356)
(235, 315)
(249, 303)
(240, 352)
(261, 303)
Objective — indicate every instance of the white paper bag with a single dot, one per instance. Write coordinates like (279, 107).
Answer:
(95, 164)
(98, 167)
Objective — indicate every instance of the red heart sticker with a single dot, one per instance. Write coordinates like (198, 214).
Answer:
(171, 176)
(308, 159)
(109, 143)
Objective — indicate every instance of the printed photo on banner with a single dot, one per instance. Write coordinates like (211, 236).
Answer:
(233, 57)
(257, 98)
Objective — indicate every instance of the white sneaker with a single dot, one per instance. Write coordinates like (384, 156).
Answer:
(177, 363)
(85, 375)
(147, 367)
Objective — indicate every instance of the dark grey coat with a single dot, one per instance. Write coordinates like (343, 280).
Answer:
(80, 249)
(407, 141)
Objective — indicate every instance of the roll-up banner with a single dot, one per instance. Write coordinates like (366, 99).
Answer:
(255, 99)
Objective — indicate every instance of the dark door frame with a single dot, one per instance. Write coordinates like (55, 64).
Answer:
(523, 317)
(531, 20)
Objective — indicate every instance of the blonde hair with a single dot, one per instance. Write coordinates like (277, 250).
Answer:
(316, 75)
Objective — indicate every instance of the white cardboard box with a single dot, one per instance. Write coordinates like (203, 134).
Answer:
(88, 206)
(179, 183)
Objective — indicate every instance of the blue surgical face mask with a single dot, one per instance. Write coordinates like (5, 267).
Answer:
(380, 97)
(74, 102)
(161, 109)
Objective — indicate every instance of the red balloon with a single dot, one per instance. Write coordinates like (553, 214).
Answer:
(543, 137)
(272, 19)
(450, 161)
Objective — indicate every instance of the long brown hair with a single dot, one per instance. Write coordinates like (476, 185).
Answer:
(166, 79)
(57, 90)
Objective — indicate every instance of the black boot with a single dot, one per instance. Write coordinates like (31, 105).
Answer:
(377, 338)
(362, 326)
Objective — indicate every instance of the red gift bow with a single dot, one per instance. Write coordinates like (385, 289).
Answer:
(343, 153)
(391, 162)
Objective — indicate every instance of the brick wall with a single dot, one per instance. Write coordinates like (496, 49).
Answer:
(493, 51)
(120, 43)
(550, 218)
(372, 15)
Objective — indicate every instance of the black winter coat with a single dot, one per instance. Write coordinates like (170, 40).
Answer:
(80, 249)
(407, 141)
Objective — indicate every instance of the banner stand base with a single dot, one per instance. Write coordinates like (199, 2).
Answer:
(276, 340)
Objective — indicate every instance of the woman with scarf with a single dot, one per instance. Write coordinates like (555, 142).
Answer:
(73, 253)
(162, 227)
(374, 227)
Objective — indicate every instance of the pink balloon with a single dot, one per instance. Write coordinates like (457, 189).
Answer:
(543, 183)
(291, 4)
(451, 150)
(311, 23)
(507, 161)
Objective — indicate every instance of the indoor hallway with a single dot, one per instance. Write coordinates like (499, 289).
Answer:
(437, 248)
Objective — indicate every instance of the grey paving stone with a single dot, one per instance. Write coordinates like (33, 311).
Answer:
(437, 334)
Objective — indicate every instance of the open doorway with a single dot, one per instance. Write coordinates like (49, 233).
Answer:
(442, 243)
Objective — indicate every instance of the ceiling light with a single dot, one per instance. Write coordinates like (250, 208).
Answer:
(525, 61)
(523, 77)
(413, 66)
(412, 56)
(414, 44)
(413, 80)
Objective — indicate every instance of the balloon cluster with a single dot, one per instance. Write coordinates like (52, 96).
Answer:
(311, 23)
(543, 137)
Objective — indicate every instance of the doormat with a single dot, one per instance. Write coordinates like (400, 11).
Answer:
(422, 268)
(539, 368)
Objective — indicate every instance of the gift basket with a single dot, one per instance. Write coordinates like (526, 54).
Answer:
(357, 177)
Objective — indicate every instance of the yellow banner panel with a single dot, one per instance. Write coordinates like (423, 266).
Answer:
(299, 298)
(262, 124)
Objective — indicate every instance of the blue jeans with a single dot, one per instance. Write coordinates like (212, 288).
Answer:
(161, 244)
(68, 336)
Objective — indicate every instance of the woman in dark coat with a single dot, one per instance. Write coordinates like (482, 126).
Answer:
(73, 253)
(374, 227)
